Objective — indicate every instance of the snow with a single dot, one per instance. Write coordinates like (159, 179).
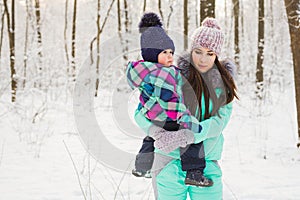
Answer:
(43, 150)
(256, 165)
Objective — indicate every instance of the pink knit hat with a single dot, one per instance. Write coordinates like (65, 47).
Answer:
(208, 35)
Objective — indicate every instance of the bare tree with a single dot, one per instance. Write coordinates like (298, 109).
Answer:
(236, 16)
(97, 39)
(98, 47)
(26, 43)
(38, 30)
(127, 23)
(207, 9)
(292, 10)
(260, 53)
(185, 23)
(10, 17)
(73, 45)
(160, 10)
(119, 16)
(2, 29)
(65, 36)
(171, 2)
(145, 5)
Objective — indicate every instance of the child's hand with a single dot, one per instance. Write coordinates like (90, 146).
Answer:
(156, 132)
(171, 140)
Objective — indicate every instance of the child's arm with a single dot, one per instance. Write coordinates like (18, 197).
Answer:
(168, 92)
(172, 103)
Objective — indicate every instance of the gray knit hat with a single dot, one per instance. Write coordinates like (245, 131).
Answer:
(153, 38)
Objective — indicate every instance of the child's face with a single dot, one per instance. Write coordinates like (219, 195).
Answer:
(166, 57)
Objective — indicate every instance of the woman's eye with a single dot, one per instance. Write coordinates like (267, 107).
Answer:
(210, 54)
(197, 52)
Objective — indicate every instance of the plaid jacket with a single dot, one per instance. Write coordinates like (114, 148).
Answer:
(161, 95)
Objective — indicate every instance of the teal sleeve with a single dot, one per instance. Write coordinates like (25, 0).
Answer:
(214, 126)
(142, 121)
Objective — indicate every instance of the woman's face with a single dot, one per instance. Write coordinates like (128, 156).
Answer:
(203, 59)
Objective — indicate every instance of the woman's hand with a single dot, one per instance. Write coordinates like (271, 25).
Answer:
(168, 141)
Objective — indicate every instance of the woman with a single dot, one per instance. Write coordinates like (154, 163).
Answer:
(208, 93)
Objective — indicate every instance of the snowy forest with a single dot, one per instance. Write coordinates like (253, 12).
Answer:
(67, 127)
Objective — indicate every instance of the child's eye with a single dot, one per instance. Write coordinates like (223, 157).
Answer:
(171, 52)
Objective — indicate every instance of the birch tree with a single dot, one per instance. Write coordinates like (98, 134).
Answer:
(260, 53)
(39, 41)
(73, 44)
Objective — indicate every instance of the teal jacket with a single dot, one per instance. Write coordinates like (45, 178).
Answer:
(211, 133)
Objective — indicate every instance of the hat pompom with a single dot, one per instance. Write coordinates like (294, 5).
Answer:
(149, 20)
(211, 23)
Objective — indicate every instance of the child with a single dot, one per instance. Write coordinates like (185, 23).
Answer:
(161, 99)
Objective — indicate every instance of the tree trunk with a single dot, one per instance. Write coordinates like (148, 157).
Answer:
(11, 36)
(145, 5)
(98, 47)
(2, 30)
(292, 10)
(207, 9)
(236, 12)
(127, 22)
(185, 24)
(97, 38)
(73, 51)
(160, 10)
(38, 27)
(260, 53)
(26, 44)
(169, 15)
(39, 41)
(65, 37)
(197, 18)
(119, 17)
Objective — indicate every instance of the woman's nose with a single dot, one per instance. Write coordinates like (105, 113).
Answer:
(202, 58)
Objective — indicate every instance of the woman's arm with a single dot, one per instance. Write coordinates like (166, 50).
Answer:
(214, 126)
(211, 127)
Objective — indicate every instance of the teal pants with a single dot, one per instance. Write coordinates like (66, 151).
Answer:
(169, 182)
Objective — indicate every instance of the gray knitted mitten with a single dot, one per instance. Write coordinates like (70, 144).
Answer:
(171, 140)
(156, 132)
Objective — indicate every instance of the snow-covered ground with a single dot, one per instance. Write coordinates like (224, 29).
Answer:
(259, 161)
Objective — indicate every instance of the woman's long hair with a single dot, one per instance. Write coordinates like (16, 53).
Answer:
(197, 85)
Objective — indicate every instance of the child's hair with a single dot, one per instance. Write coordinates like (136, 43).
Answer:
(153, 37)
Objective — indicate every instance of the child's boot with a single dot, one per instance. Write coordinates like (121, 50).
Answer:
(196, 177)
